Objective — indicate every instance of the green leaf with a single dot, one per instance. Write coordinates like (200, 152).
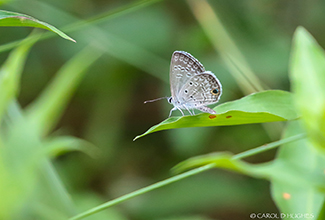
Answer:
(280, 172)
(47, 109)
(4, 2)
(10, 73)
(267, 106)
(63, 144)
(24, 165)
(19, 168)
(8, 18)
(299, 156)
(219, 159)
(307, 74)
(296, 175)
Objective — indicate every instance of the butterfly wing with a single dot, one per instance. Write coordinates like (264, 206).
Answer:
(183, 66)
(200, 90)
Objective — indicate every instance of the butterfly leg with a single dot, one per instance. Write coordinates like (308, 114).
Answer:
(206, 109)
(193, 111)
(180, 111)
(170, 113)
(188, 109)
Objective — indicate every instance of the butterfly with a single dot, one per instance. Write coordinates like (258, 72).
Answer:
(191, 86)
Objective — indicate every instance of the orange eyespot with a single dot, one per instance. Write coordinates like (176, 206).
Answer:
(212, 116)
(215, 91)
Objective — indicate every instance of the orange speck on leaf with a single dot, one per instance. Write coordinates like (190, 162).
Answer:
(212, 116)
(286, 196)
(229, 116)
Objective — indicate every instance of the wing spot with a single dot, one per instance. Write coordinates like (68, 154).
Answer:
(185, 91)
(181, 58)
(214, 92)
(176, 56)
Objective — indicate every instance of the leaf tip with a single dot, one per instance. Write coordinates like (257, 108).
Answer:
(137, 137)
(301, 33)
(300, 29)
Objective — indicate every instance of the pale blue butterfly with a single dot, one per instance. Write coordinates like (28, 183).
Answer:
(191, 86)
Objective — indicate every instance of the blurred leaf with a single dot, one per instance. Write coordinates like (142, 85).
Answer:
(43, 211)
(28, 167)
(63, 144)
(10, 73)
(53, 192)
(83, 24)
(267, 106)
(115, 46)
(297, 174)
(219, 159)
(307, 74)
(19, 169)
(47, 109)
(8, 19)
(293, 198)
(278, 171)
(4, 1)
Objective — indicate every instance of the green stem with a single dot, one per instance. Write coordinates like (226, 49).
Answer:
(109, 15)
(84, 23)
(142, 191)
(185, 175)
(267, 147)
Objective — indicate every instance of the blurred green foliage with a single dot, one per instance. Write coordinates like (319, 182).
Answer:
(65, 95)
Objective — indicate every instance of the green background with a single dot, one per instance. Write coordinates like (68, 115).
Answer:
(107, 109)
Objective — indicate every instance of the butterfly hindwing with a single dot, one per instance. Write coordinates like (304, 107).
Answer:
(200, 90)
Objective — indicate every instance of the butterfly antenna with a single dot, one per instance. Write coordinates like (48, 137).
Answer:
(155, 99)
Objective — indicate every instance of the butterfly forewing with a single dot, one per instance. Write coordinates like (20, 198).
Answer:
(183, 66)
